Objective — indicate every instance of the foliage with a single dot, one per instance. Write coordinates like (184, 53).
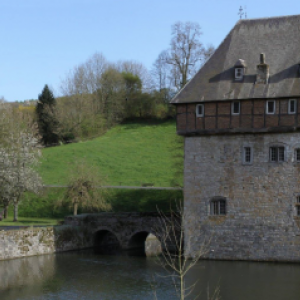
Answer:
(18, 157)
(46, 118)
(85, 189)
(16, 169)
(45, 205)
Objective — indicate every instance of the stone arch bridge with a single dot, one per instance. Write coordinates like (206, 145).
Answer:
(133, 233)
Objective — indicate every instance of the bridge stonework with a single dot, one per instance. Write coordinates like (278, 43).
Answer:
(113, 232)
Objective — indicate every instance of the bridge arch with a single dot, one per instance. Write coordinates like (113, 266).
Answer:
(106, 242)
(143, 243)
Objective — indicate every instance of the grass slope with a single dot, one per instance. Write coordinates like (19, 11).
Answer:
(129, 154)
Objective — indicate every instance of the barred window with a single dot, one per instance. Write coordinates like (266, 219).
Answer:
(218, 207)
(247, 155)
(276, 154)
(297, 154)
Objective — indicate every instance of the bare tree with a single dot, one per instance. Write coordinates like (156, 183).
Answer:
(161, 70)
(186, 51)
(174, 67)
(175, 244)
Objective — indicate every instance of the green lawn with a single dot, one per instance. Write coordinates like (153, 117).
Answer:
(129, 154)
(23, 221)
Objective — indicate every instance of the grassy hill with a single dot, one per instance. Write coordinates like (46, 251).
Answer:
(129, 154)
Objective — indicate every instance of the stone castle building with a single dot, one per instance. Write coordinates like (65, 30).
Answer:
(240, 116)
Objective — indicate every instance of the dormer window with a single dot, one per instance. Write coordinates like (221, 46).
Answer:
(239, 69)
(239, 73)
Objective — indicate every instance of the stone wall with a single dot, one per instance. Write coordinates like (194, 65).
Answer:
(43, 240)
(261, 221)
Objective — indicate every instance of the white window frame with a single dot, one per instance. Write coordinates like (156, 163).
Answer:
(295, 106)
(239, 73)
(244, 155)
(267, 107)
(197, 114)
(232, 108)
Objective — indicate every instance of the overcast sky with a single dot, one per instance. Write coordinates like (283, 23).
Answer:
(42, 40)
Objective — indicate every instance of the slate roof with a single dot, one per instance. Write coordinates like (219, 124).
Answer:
(278, 38)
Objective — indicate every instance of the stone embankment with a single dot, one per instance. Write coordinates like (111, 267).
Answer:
(30, 241)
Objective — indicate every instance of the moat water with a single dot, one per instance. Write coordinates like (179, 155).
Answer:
(86, 276)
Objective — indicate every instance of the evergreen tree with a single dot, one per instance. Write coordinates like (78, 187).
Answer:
(46, 119)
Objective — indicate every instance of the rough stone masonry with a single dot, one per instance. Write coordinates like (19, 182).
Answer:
(261, 221)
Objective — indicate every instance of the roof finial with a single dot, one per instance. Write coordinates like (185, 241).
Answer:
(241, 12)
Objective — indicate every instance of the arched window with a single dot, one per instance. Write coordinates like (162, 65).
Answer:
(218, 206)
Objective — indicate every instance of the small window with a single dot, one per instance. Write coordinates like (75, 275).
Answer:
(270, 108)
(218, 207)
(235, 108)
(276, 154)
(298, 206)
(199, 110)
(247, 155)
(297, 155)
(239, 73)
(292, 106)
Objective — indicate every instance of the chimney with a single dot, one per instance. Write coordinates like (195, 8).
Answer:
(262, 76)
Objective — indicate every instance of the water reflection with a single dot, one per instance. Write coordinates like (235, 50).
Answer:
(86, 276)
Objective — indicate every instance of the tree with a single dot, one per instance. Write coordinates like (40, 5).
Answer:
(175, 66)
(112, 94)
(186, 51)
(46, 117)
(85, 189)
(17, 173)
(160, 71)
(170, 232)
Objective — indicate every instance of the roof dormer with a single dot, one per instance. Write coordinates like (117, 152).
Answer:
(239, 69)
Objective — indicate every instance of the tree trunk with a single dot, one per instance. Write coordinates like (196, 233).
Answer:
(5, 211)
(15, 212)
(75, 208)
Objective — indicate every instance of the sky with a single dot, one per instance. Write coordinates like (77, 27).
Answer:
(42, 40)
